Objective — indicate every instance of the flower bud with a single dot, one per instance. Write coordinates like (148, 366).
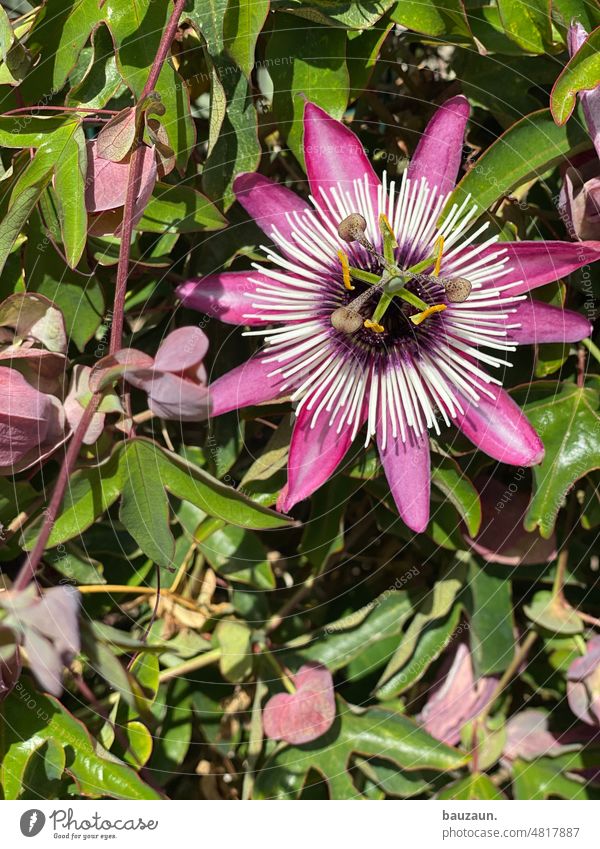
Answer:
(583, 684)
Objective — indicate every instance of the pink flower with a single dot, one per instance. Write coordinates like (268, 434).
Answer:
(404, 367)
(175, 379)
(31, 423)
(583, 684)
(580, 195)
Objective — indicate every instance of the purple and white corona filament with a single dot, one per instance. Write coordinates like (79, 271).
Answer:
(404, 326)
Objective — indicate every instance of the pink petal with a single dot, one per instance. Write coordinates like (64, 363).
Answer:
(439, 152)
(333, 155)
(182, 349)
(528, 737)
(269, 203)
(544, 323)
(315, 453)
(173, 397)
(500, 429)
(407, 469)
(243, 386)
(534, 264)
(224, 296)
(305, 715)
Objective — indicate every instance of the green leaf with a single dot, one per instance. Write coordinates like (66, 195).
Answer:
(339, 643)
(89, 494)
(581, 73)
(359, 15)
(324, 532)
(448, 477)
(436, 605)
(26, 729)
(566, 418)
(375, 732)
(489, 603)
(31, 131)
(243, 21)
(544, 779)
(101, 80)
(528, 24)
(528, 148)
(474, 786)
(239, 555)
(362, 51)
(306, 63)
(445, 18)
(144, 508)
(547, 611)
(235, 641)
(70, 170)
(179, 209)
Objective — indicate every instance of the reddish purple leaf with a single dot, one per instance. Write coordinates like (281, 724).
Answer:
(305, 715)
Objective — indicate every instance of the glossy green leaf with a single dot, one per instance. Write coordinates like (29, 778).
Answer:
(69, 182)
(306, 62)
(528, 24)
(338, 13)
(581, 73)
(179, 209)
(445, 18)
(243, 21)
(547, 611)
(567, 419)
(239, 555)
(26, 729)
(448, 477)
(234, 640)
(475, 786)
(490, 607)
(101, 80)
(528, 148)
(544, 779)
(375, 732)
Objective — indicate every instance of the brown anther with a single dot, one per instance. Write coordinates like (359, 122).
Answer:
(352, 228)
(457, 289)
(346, 320)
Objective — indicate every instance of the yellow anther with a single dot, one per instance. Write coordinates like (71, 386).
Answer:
(439, 246)
(421, 316)
(345, 270)
(374, 326)
(384, 221)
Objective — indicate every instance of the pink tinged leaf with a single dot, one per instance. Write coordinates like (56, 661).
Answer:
(76, 401)
(305, 715)
(181, 350)
(407, 469)
(34, 317)
(498, 427)
(533, 264)
(244, 386)
(315, 454)
(439, 152)
(117, 136)
(226, 296)
(502, 538)
(106, 189)
(51, 634)
(580, 199)
(456, 698)
(528, 737)
(24, 417)
(590, 100)
(333, 154)
(174, 397)
(544, 323)
(270, 204)
(127, 363)
(583, 684)
(10, 664)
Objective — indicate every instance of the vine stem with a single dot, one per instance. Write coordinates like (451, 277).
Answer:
(27, 571)
(133, 181)
(28, 568)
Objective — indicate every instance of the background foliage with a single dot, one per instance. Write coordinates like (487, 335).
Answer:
(165, 696)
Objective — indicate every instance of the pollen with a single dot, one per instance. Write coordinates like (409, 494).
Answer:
(374, 326)
(384, 222)
(345, 270)
(439, 246)
(420, 317)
